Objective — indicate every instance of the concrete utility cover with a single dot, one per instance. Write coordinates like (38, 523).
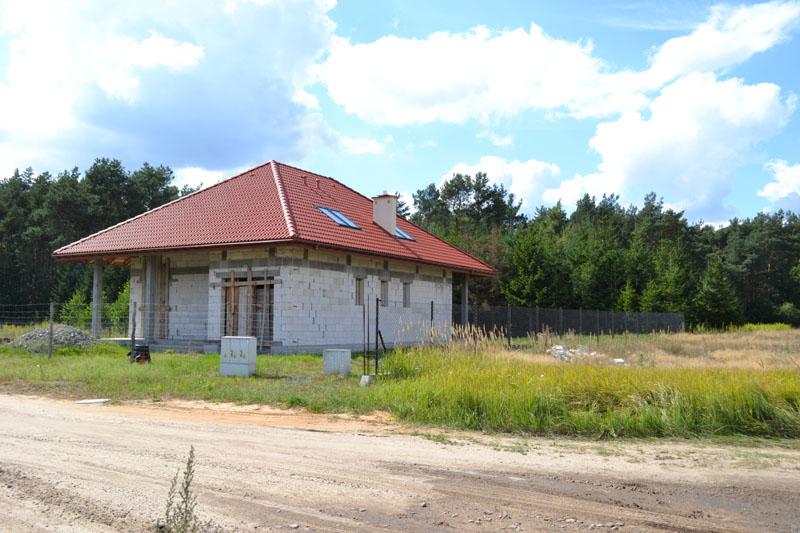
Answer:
(336, 361)
(93, 401)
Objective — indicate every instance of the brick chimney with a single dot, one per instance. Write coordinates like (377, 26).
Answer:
(384, 212)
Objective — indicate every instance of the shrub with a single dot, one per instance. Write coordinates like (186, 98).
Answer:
(790, 313)
(76, 312)
(116, 312)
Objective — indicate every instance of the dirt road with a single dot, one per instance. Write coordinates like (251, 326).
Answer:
(68, 467)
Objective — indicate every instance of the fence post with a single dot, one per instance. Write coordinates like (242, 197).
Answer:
(364, 333)
(508, 323)
(50, 340)
(597, 320)
(377, 321)
(133, 329)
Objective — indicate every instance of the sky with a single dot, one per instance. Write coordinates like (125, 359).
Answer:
(694, 101)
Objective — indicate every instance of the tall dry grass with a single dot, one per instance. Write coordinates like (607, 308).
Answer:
(762, 347)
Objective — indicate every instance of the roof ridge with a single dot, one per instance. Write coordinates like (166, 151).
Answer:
(287, 212)
(176, 200)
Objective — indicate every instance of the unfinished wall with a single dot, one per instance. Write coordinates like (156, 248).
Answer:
(315, 305)
(314, 299)
(188, 296)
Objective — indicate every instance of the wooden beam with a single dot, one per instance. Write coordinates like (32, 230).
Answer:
(250, 311)
(254, 283)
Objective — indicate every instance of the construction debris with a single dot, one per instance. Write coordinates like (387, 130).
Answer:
(563, 353)
(63, 337)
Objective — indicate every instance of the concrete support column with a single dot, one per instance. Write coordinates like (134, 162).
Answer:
(149, 298)
(465, 301)
(97, 300)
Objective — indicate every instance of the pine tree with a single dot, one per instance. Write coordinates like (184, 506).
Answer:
(716, 305)
(628, 300)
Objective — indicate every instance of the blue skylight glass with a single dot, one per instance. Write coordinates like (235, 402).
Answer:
(339, 218)
(403, 235)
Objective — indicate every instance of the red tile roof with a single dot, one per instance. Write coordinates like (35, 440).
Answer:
(272, 203)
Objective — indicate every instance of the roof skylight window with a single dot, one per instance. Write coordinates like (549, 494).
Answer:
(339, 218)
(403, 235)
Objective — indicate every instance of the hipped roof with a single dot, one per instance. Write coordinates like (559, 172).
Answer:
(272, 203)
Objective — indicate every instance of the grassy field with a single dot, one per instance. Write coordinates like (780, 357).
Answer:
(740, 383)
(761, 346)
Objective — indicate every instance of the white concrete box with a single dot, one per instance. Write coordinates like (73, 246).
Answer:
(336, 361)
(237, 356)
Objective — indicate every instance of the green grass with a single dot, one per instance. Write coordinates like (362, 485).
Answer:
(498, 393)
(104, 371)
(777, 326)
(491, 392)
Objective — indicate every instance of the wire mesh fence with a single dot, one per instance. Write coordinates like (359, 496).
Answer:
(284, 326)
(526, 321)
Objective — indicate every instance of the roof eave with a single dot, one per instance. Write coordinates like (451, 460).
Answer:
(94, 256)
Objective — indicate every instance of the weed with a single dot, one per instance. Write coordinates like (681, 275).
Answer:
(180, 516)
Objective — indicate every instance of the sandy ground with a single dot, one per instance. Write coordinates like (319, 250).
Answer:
(67, 467)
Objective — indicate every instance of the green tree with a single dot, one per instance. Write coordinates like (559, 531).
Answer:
(476, 215)
(403, 209)
(39, 213)
(716, 304)
(536, 264)
(668, 290)
(628, 300)
(76, 311)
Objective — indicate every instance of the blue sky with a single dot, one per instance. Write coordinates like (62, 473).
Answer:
(695, 101)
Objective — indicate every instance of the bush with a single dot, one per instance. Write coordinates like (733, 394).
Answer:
(76, 312)
(116, 312)
(789, 313)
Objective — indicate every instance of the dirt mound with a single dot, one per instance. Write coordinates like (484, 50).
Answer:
(63, 337)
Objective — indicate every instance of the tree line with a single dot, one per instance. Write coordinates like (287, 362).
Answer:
(41, 212)
(603, 255)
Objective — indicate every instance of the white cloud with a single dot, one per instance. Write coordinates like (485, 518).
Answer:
(507, 72)
(181, 82)
(361, 145)
(786, 181)
(730, 36)
(511, 71)
(317, 133)
(196, 176)
(501, 141)
(526, 179)
(687, 146)
(123, 55)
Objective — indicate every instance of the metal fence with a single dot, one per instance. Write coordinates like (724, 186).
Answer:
(525, 321)
(286, 326)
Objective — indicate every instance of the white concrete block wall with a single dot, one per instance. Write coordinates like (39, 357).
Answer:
(188, 303)
(313, 307)
(316, 308)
